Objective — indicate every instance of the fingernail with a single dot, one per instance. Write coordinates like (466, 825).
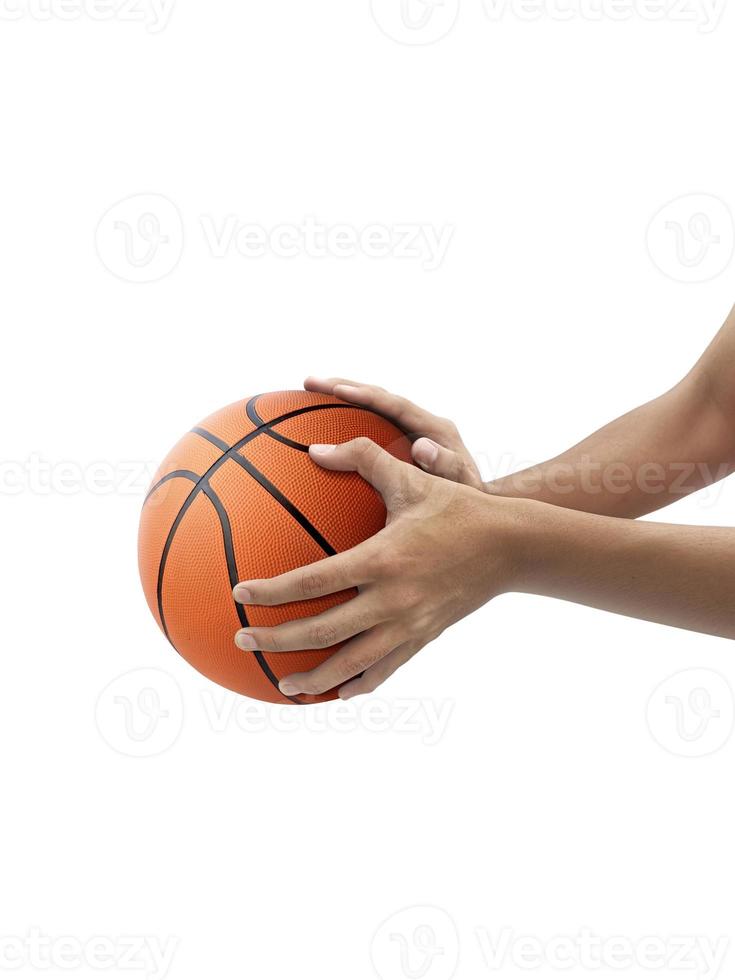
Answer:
(321, 449)
(246, 641)
(288, 688)
(242, 594)
(427, 452)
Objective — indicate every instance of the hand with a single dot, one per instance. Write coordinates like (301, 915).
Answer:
(438, 448)
(443, 553)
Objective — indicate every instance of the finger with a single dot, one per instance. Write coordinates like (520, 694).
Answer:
(374, 676)
(344, 571)
(337, 624)
(326, 385)
(383, 471)
(411, 418)
(354, 657)
(438, 461)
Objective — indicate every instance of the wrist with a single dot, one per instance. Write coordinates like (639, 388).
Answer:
(513, 529)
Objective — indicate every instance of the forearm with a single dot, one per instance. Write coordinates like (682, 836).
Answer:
(677, 575)
(639, 463)
(659, 452)
(448, 548)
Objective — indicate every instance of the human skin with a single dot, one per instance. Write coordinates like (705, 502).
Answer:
(563, 529)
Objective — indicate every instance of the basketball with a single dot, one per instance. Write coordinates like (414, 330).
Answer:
(238, 498)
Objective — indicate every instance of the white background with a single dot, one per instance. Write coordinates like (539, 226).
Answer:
(553, 797)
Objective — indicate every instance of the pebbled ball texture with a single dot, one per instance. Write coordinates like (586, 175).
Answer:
(239, 498)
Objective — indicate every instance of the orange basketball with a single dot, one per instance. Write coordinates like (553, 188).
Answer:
(239, 498)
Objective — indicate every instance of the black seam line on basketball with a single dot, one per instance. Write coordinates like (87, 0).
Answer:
(265, 427)
(205, 477)
(285, 440)
(232, 452)
(252, 411)
(229, 547)
(164, 557)
(229, 550)
(306, 410)
(174, 474)
(273, 490)
(215, 440)
(233, 576)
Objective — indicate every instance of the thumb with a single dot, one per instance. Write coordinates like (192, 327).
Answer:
(438, 461)
(365, 457)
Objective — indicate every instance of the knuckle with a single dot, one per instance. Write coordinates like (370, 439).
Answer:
(322, 635)
(424, 625)
(411, 597)
(311, 583)
(398, 499)
(268, 640)
(362, 445)
(354, 666)
(361, 623)
(381, 562)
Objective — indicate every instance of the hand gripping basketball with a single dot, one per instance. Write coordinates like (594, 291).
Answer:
(238, 497)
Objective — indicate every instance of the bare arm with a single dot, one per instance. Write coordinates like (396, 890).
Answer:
(673, 574)
(676, 444)
(449, 547)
